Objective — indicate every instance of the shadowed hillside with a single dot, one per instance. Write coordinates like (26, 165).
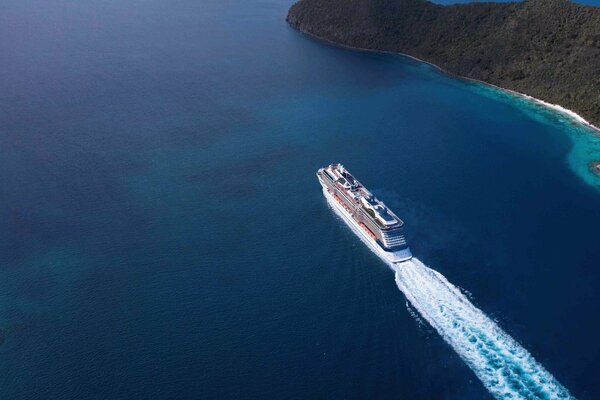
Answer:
(549, 49)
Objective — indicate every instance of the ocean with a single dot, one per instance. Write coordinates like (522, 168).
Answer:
(164, 235)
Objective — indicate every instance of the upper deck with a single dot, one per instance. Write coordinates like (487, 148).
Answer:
(361, 197)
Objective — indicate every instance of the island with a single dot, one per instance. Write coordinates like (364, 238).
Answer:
(595, 167)
(547, 49)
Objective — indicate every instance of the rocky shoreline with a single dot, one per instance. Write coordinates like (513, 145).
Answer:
(514, 46)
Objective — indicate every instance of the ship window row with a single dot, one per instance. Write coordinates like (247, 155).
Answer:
(394, 238)
(395, 244)
(396, 241)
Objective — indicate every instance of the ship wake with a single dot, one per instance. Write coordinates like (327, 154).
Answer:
(506, 369)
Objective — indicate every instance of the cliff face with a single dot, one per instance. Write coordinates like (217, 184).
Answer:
(549, 49)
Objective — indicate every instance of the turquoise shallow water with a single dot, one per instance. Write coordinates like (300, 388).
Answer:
(585, 141)
(164, 235)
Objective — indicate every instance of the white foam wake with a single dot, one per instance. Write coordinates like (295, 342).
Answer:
(506, 369)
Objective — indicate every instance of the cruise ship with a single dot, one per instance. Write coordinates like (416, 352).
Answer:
(368, 217)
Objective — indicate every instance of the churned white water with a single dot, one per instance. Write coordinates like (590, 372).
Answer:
(506, 369)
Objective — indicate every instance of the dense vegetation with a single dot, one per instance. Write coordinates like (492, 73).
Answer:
(549, 49)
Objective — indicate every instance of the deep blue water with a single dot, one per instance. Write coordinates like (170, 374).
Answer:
(163, 234)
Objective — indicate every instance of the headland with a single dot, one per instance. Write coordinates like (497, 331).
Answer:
(548, 50)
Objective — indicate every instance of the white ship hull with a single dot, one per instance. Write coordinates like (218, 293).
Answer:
(387, 256)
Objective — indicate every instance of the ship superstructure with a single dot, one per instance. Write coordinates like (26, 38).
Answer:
(367, 216)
